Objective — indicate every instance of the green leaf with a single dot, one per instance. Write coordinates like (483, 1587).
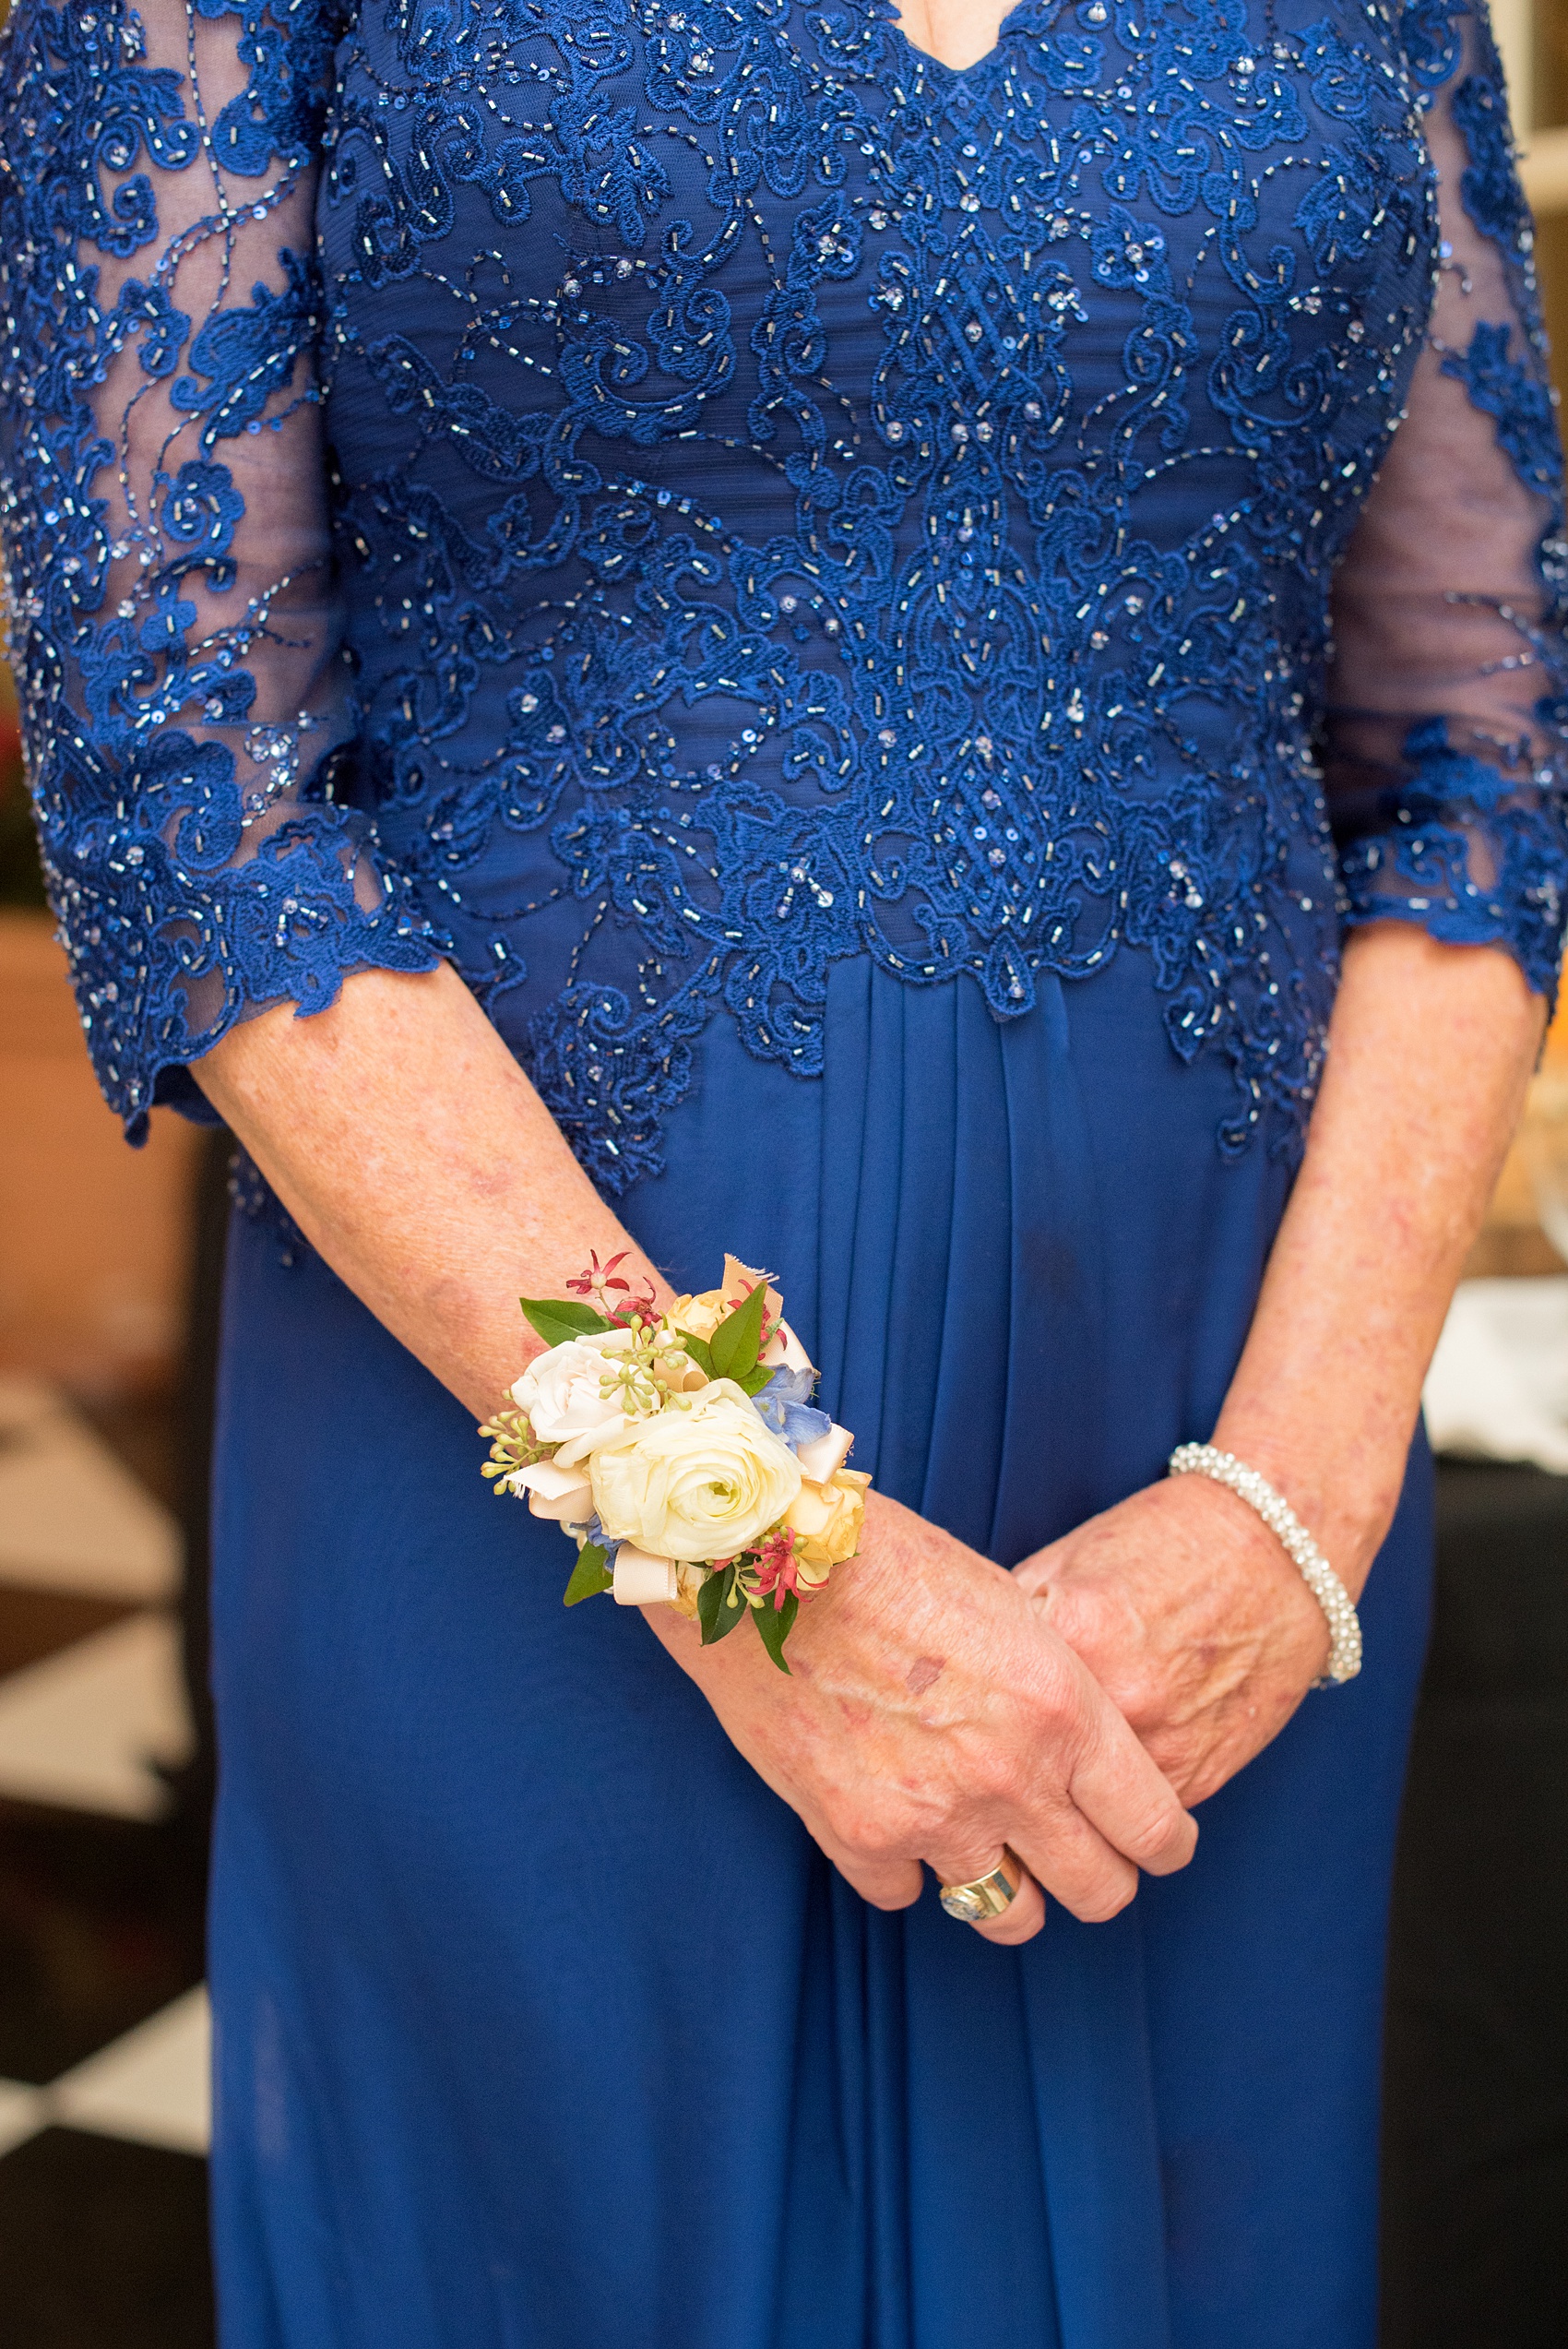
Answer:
(701, 1353)
(558, 1319)
(714, 1611)
(737, 1341)
(773, 1626)
(589, 1576)
(755, 1379)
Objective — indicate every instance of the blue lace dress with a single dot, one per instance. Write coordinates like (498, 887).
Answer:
(886, 620)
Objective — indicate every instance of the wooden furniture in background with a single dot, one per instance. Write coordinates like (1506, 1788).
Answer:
(93, 1237)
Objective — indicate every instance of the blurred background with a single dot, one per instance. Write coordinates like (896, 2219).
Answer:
(110, 1266)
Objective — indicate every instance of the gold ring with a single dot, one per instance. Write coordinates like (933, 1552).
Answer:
(988, 1895)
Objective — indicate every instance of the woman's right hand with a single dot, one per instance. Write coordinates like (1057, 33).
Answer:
(931, 1714)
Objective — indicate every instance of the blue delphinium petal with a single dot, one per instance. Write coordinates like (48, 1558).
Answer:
(785, 1406)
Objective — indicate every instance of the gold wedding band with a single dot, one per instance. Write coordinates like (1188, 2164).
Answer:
(988, 1895)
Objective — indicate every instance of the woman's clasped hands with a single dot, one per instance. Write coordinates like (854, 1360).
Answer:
(1192, 1618)
(935, 1714)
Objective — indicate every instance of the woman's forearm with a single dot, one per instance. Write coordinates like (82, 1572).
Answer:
(415, 1155)
(1180, 1601)
(419, 1160)
(1431, 1049)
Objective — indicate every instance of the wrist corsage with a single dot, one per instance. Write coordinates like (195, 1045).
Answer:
(682, 1452)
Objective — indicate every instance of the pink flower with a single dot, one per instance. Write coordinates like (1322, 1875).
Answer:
(776, 1567)
(596, 1282)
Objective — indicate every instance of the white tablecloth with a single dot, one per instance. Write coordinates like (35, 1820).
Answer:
(1498, 1386)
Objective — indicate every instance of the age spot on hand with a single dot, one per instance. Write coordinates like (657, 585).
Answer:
(922, 1672)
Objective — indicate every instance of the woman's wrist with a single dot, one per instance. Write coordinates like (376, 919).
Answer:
(1344, 1486)
(1344, 1658)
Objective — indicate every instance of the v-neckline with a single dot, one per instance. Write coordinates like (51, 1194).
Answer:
(888, 10)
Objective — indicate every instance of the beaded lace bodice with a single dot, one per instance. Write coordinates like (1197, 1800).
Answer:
(646, 500)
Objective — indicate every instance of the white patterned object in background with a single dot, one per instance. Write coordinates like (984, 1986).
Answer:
(1498, 1386)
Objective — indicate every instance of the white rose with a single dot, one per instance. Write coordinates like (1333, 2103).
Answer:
(563, 1393)
(695, 1483)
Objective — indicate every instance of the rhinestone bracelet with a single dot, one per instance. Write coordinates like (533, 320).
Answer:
(1344, 1624)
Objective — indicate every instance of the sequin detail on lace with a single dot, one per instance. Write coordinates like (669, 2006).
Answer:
(792, 501)
(1473, 847)
(193, 855)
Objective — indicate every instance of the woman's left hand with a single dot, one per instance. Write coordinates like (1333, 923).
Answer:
(1193, 1619)
(1181, 1602)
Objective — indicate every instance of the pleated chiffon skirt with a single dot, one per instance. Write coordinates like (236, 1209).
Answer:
(541, 2024)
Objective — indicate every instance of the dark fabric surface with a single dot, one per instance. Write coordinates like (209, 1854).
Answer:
(1476, 2172)
(103, 2245)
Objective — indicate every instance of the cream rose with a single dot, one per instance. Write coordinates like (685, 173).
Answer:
(563, 1393)
(827, 1518)
(699, 1316)
(695, 1483)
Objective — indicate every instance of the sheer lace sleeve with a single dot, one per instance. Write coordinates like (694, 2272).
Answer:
(165, 527)
(1448, 717)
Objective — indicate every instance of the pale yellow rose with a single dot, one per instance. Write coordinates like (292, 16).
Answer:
(699, 1316)
(700, 1480)
(827, 1521)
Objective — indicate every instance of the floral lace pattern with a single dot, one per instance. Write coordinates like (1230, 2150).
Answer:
(1458, 825)
(791, 500)
(191, 849)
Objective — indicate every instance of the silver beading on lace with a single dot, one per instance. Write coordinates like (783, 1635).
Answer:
(1344, 1623)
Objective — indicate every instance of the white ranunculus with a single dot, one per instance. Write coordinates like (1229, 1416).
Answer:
(563, 1392)
(695, 1483)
